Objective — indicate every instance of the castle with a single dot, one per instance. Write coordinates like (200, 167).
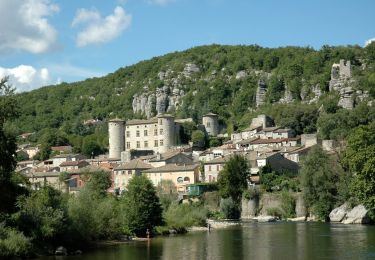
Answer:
(158, 134)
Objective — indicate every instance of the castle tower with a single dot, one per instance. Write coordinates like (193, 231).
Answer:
(345, 69)
(116, 129)
(211, 123)
(166, 129)
(261, 93)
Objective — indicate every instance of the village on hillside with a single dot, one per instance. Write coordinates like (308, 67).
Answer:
(153, 147)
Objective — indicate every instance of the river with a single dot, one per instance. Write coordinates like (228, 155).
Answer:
(280, 240)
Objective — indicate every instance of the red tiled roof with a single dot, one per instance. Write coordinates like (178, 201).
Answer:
(73, 163)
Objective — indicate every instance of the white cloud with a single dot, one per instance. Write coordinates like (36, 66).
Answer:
(24, 25)
(98, 29)
(26, 77)
(161, 2)
(369, 41)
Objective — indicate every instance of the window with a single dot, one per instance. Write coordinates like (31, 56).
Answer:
(146, 144)
(145, 133)
(155, 131)
(161, 142)
(127, 145)
(208, 124)
(138, 144)
(129, 172)
(161, 131)
(137, 134)
(218, 167)
(180, 179)
(209, 168)
(160, 121)
(156, 143)
(127, 133)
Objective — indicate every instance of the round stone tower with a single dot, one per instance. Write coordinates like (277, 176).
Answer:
(211, 123)
(116, 129)
(166, 132)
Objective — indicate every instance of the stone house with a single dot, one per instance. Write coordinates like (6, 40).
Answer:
(274, 143)
(124, 172)
(72, 165)
(60, 158)
(277, 162)
(213, 167)
(283, 133)
(267, 133)
(40, 179)
(295, 153)
(177, 157)
(180, 175)
(29, 163)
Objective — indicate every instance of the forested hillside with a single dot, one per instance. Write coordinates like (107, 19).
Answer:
(216, 78)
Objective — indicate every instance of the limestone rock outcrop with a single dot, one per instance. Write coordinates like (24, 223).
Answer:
(358, 215)
(338, 214)
(190, 68)
(346, 215)
(241, 74)
(288, 97)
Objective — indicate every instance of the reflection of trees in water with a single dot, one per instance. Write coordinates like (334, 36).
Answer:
(258, 241)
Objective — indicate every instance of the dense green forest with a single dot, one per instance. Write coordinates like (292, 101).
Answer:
(214, 88)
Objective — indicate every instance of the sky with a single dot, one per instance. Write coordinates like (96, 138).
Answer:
(45, 42)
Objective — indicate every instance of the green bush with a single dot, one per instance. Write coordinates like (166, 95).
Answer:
(276, 212)
(186, 215)
(230, 209)
(251, 193)
(13, 243)
(288, 205)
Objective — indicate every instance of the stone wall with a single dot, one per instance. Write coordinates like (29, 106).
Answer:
(260, 206)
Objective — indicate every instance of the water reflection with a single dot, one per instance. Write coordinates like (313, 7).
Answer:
(253, 241)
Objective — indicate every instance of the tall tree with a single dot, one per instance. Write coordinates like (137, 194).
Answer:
(319, 180)
(360, 158)
(142, 209)
(233, 179)
(8, 147)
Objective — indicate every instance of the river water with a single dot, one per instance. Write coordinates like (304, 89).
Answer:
(280, 240)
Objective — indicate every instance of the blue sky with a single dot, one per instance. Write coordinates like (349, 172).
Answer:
(48, 41)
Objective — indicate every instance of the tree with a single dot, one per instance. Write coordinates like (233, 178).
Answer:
(360, 159)
(214, 142)
(233, 179)
(94, 217)
(8, 111)
(319, 180)
(90, 147)
(99, 181)
(167, 193)
(186, 131)
(42, 216)
(141, 206)
(198, 138)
